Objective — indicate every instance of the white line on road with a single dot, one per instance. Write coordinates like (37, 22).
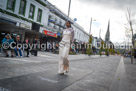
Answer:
(120, 82)
(20, 59)
(46, 56)
(46, 79)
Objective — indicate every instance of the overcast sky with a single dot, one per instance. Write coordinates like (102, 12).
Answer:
(101, 11)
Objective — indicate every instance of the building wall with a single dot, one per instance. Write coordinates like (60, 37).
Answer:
(80, 35)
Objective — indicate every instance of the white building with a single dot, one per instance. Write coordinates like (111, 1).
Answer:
(19, 16)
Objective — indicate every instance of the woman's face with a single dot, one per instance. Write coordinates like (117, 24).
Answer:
(7, 37)
(18, 38)
(67, 24)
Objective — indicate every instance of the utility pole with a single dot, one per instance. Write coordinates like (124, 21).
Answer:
(100, 33)
(69, 8)
(90, 26)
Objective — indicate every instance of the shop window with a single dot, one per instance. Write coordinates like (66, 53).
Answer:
(60, 23)
(31, 12)
(55, 21)
(11, 5)
(22, 7)
(55, 27)
(39, 16)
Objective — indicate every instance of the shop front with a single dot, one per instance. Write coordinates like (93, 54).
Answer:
(50, 36)
(13, 30)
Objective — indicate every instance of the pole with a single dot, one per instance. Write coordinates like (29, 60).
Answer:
(100, 33)
(69, 8)
(90, 26)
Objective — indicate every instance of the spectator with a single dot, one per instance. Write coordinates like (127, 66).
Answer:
(18, 48)
(35, 49)
(7, 41)
(27, 42)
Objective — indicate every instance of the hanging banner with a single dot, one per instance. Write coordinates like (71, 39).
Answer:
(50, 33)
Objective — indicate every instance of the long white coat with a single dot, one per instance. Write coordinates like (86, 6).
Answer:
(64, 47)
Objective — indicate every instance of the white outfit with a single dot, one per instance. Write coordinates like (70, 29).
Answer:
(64, 47)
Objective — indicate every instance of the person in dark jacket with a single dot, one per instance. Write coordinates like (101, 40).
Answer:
(35, 49)
(27, 42)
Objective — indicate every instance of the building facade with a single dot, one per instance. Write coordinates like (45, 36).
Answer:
(30, 18)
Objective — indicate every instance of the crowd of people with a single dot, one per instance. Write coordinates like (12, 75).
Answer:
(16, 50)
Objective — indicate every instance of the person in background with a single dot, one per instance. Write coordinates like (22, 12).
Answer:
(35, 42)
(27, 42)
(18, 48)
(50, 46)
(7, 41)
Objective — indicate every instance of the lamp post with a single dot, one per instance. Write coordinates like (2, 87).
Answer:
(100, 33)
(90, 26)
(69, 8)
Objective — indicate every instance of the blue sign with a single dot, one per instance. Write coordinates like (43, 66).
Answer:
(75, 19)
(59, 34)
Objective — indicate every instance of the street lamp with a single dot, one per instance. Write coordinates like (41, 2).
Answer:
(100, 34)
(69, 8)
(91, 25)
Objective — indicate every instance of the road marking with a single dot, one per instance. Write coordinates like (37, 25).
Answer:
(120, 82)
(74, 69)
(51, 56)
(20, 59)
(46, 79)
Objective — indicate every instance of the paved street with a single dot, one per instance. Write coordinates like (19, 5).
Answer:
(86, 74)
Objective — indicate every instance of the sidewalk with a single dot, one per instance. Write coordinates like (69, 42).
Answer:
(39, 74)
(131, 73)
(71, 57)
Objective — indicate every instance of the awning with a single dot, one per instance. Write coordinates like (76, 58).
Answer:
(13, 28)
(49, 33)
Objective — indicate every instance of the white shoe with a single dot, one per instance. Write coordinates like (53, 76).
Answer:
(61, 73)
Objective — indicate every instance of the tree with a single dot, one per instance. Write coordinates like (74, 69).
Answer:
(102, 47)
(130, 27)
(89, 49)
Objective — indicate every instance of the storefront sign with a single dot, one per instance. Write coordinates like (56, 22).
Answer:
(49, 33)
(25, 26)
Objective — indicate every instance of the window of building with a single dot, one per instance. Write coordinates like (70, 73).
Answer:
(39, 16)
(11, 4)
(49, 20)
(55, 21)
(55, 27)
(31, 12)
(60, 25)
(22, 7)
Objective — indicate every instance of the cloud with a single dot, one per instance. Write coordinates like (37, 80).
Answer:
(101, 11)
(119, 4)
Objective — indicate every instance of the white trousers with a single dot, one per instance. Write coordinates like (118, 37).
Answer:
(63, 56)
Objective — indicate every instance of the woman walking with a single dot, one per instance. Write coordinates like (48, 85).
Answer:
(64, 47)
